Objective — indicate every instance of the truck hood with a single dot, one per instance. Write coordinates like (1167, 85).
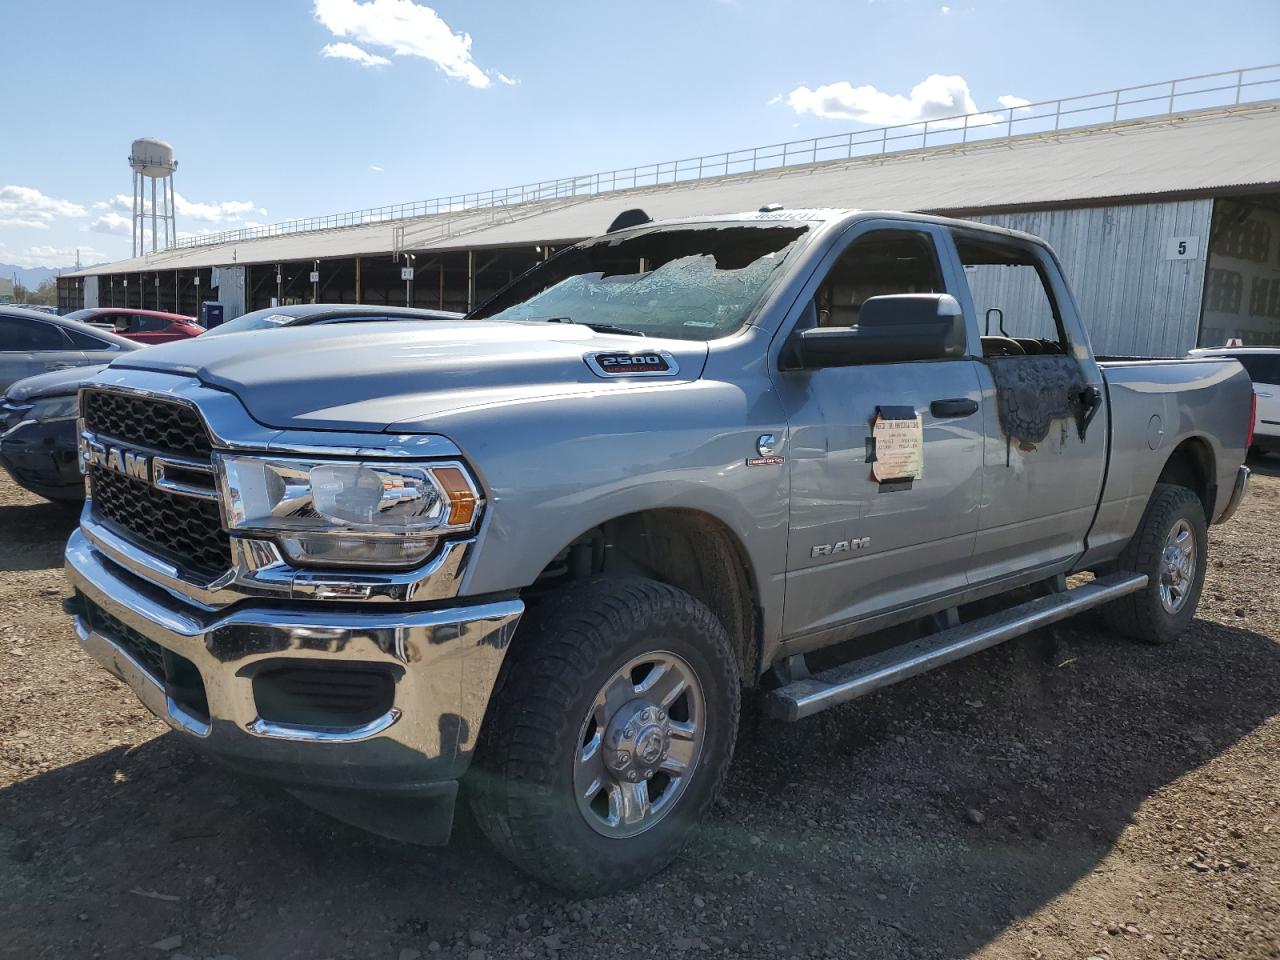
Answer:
(369, 376)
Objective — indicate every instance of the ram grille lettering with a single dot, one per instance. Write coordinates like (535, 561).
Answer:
(137, 466)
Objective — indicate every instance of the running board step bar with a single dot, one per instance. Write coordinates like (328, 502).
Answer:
(813, 694)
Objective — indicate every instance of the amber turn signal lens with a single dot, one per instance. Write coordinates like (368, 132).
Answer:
(462, 499)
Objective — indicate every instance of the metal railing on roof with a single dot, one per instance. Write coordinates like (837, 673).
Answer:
(1165, 97)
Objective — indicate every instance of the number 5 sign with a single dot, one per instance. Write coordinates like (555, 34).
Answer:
(1182, 248)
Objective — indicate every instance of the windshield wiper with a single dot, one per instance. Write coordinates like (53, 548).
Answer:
(597, 327)
(611, 328)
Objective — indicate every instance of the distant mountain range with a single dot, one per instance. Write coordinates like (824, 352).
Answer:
(29, 277)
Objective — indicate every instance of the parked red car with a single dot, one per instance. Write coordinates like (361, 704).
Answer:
(144, 326)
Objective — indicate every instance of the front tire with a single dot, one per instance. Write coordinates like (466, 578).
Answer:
(1170, 547)
(609, 734)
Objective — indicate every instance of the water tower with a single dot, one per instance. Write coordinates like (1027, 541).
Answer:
(152, 160)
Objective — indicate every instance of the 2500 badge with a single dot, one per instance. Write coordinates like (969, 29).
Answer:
(656, 363)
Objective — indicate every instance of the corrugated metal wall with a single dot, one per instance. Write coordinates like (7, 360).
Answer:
(1135, 301)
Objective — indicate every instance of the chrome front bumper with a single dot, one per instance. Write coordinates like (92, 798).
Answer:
(1237, 495)
(445, 663)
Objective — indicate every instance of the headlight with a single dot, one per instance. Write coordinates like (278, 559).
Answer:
(55, 408)
(349, 513)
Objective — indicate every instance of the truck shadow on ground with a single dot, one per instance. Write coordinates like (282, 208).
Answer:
(32, 535)
(921, 821)
(1265, 465)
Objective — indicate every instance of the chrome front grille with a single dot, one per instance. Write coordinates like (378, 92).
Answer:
(183, 528)
(186, 530)
(158, 425)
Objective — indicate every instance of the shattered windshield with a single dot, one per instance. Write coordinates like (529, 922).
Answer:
(690, 283)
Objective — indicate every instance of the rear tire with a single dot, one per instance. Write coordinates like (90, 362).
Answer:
(614, 686)
(1170, 547)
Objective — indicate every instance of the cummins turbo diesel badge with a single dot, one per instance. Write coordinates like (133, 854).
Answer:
(654, 363)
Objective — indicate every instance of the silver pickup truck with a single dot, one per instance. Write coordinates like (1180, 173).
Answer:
(546, 548)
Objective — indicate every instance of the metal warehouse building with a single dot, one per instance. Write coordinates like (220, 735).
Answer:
(1163, 203)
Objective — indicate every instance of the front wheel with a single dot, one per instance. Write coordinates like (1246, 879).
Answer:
(610, 733)
(1170, 547)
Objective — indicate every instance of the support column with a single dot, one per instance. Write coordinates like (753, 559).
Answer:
(471, 279)
(357, 279)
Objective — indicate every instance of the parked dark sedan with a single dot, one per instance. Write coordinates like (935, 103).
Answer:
(38, 433)
(32, 342)
(38, 444)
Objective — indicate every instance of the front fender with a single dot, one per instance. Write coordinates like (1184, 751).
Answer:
(555, 467)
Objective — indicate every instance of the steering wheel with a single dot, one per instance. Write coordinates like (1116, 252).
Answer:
(1002, 347)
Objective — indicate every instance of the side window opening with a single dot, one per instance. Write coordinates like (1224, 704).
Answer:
(31, 335)
(877, 264)
(1017, 313)
(1261, 367)
(85, 342)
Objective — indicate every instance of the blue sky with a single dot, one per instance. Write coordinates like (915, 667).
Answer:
(287, 108)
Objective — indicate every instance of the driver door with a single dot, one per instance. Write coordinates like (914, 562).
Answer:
(859, 546)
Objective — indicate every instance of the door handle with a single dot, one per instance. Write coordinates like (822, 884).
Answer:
(958, 407)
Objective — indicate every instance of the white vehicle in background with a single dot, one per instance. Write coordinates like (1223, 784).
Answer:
(1263, 366)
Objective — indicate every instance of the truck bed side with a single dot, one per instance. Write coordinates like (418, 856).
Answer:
(1187, 417)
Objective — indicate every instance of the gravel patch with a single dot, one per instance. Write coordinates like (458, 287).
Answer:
(1065, 795)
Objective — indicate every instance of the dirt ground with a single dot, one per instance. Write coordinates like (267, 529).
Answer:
(1067, 795)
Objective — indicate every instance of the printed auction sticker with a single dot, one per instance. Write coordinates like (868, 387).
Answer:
(899, 449)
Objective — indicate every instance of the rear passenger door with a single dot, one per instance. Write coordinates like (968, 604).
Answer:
(1044, 451)
(860, 546)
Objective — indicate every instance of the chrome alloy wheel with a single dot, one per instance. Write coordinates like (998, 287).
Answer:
(1177, 566)
(639, 745)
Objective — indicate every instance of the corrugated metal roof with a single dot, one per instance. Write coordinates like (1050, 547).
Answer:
(1180, 154)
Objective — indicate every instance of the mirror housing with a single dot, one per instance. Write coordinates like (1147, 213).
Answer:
(899, 328)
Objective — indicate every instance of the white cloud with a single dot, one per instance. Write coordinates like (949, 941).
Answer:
(776, 98)
(936, 97)
(222, 211)
(349, 51)
(219, 211)
(49, 256)
(112, 222)
(1011, 102)
(945, 11)
(375, 168)
(405, 28)
(504, 79)
(28, 207)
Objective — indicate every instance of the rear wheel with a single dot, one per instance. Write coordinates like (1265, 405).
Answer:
(610, 733)
(1170, 547)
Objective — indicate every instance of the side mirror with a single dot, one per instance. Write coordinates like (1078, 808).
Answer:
(892, 329)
